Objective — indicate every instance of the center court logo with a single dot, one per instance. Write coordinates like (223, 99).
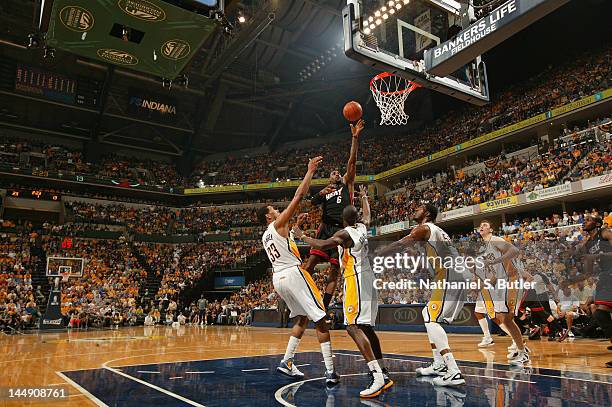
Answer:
(142, 9)
(76, 18)
(117, 56)
(175, 49)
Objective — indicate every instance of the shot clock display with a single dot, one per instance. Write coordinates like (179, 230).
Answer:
(33, 194)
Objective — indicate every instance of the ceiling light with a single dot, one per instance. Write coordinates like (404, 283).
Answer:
(385, 16)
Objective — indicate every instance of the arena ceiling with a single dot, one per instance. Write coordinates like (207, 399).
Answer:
(248, 89)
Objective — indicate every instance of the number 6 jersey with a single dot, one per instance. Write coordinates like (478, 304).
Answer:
(282, 251)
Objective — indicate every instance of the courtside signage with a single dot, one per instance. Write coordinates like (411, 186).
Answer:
(499, 203)
(597, 182)
(457, 213)
(552, 192)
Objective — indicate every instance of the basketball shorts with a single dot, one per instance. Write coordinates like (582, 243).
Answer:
(507, 300)
(297, 288)
(603, 291)
(360, 299)
(444, 305)
(330, 255)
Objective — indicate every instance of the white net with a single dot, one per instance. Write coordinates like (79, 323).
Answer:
(390, 92)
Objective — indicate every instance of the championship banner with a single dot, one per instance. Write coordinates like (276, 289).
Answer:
(552, 192)
(597, 182)
(456, 213)
(499, 203)
(53, 314)
(422, 21)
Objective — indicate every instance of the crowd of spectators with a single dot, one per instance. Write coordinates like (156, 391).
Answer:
(576, 157)
(18, 298)
(159, 220)
(553, 87)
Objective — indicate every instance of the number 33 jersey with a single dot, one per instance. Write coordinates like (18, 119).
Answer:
(282, 251)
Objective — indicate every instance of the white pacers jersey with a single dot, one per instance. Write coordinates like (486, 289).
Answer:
(356, 257)
(282, 251)
(360, 296)
(445, 304)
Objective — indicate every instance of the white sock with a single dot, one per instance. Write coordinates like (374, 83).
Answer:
(326, 350)
(291, 347)
(450, 362)
(381, 363)
(374, 366)
(484, 325)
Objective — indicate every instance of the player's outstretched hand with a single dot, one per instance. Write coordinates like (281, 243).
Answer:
(363, 191)
(356, 128)
(313, 163)
(328, 189)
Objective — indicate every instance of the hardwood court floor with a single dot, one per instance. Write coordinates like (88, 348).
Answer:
(33, 360)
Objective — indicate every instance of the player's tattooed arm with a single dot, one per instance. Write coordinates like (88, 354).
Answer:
(283, 219)
(420, 233)
(351, 167)
(365, 205)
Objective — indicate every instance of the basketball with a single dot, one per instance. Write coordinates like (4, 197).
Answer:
(352, 111)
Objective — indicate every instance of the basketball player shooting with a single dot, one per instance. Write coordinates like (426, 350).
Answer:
(445, 304)
(336, 196)
(360, 297)
(293, 284)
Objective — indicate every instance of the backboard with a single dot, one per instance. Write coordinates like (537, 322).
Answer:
(56, 266)
(436, 43)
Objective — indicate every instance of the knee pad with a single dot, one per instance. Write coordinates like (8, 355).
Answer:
(605, 321)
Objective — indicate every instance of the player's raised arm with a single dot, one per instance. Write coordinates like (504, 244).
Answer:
(351, 167)
(365, 205)
(340, 238)
(283, 219)
(419, 234)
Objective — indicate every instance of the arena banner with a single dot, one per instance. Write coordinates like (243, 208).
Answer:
(597, 182)
(150, 106)
(547, 193)
(265, 185)
(499, 203)
(393, 227)
(577, 104)
(457, 213)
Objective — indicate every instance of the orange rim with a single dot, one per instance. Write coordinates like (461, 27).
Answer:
(412, 85)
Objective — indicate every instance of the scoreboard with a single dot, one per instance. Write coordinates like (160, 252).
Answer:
(33, 194)
(47, 84)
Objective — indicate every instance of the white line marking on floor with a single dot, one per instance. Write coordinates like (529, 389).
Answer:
(147, 371)
(90, 396)
(254, 370)
(160, 389)
(175, 377)
(305, 364)
(206, 372)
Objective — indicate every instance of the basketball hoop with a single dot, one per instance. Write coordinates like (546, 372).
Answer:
(390, 92)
